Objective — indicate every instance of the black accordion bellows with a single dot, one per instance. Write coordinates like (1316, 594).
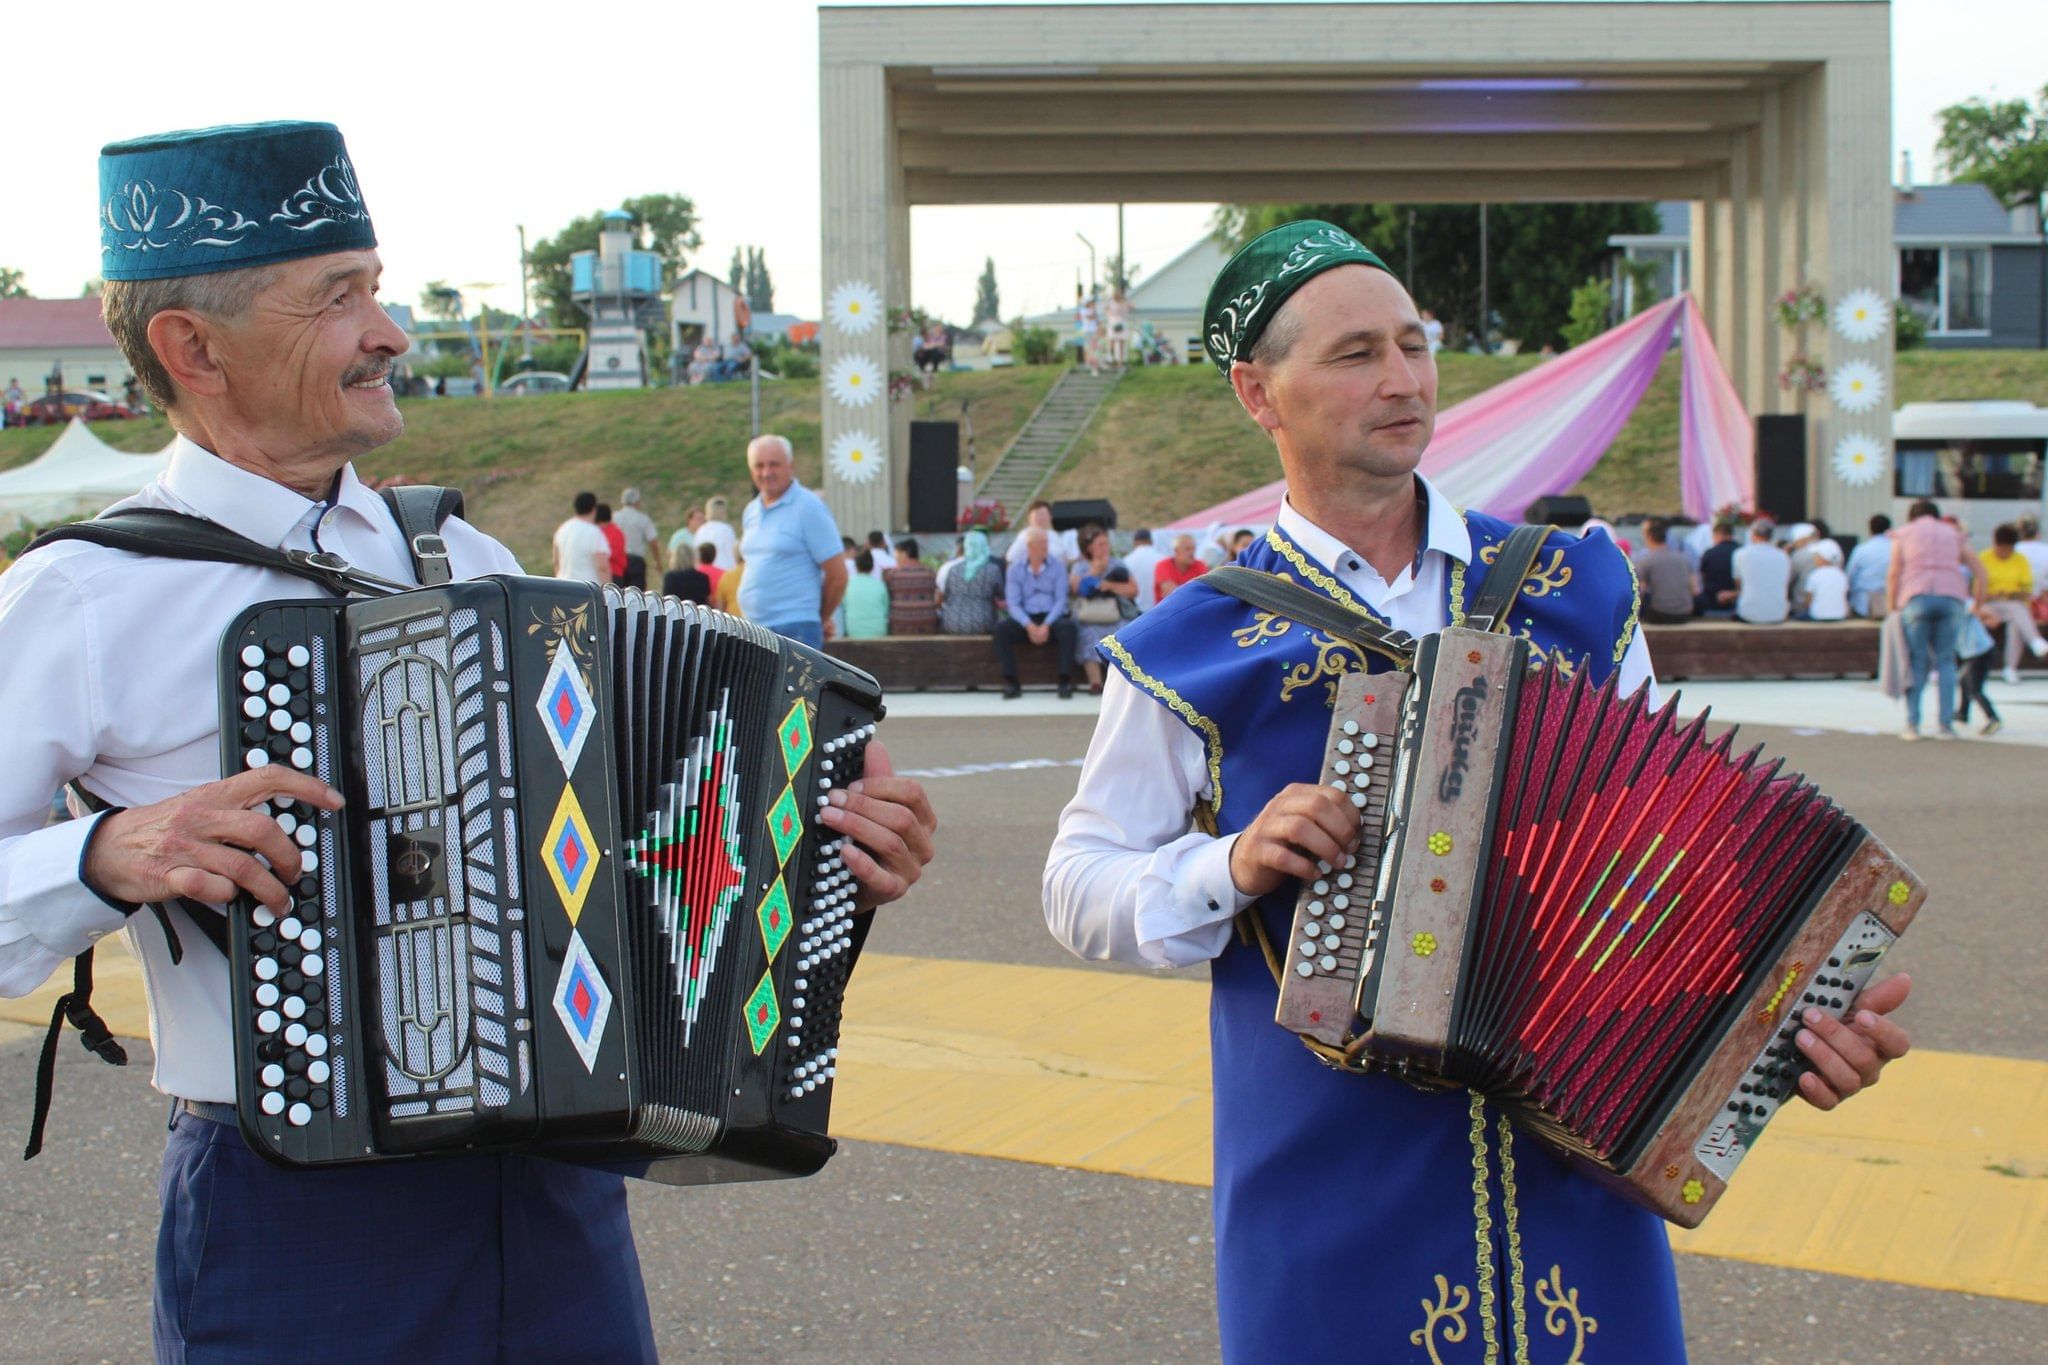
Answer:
(579, 901)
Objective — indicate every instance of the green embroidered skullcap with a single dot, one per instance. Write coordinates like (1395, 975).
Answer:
(1263, 275)
(190, 203)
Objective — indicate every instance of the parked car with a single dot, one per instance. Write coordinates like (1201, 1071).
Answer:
(536, 381)
(57, 408)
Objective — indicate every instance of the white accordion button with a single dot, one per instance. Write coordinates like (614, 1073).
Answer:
(287, 822)
(1372, 741)
(256, 758)
(266, 969)
(312, 965)
(252, 681)
(289, 926)
(1306, 969)
(254, 707)
(294, 1008)
(1345, 746)
(1344, 881)
(273, 1076)
(302, 757)
(298, 656)
(310, 941)
(269, 1022)
(301, 732)
(1329, 964)
(1341, 767)
(1350, 727)
(1358, 800)
(266, 995)
(1308, 948)
(309, 861)
(279, 694)
(263, 918)
(1336, 923)
(280, 721)
(295, 1034)
(299, 1115)
(1321, 888)
(272, 1103)
(252, 656)
(1315, 908)
(317, 1072)
(316, 1046)
(306, 836)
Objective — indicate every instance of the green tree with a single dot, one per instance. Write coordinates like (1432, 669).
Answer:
(1118, 274)
(737, 275)
(1537, 254)
(988, 301)
(1592, 302)
(441, 300)
(760, 288)
(2001, 146)
(11, 286)
(665, 224)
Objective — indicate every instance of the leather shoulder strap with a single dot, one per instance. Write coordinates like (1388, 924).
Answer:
(421, 510)
(1285, 597)
(1504, 579)
(173, 535)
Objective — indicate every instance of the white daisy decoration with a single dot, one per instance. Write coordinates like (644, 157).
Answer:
(1856, 386)
(855, 457)
(854, 380)
(1860, 315)
(1860, 459)
(855, 308)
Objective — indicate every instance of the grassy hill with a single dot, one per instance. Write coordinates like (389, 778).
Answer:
(1168, 441)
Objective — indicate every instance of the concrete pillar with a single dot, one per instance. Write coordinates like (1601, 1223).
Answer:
(1854, 251)
(865, 260)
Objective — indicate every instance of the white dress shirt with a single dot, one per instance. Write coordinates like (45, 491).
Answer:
(1141, 561)
(1127, 879)
(112, 677)
(722, 535)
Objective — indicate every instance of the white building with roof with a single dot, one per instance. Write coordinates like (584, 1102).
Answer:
(46, 341)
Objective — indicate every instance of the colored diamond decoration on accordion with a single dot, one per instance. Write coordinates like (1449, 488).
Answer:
(775, 916)
(795, 734)
(566, 711)
(785, 825)
(570, 854)
(1692, 1191)
(1424, 944)
(582, 1001)
(1440, 843)
(1900, 893)
(763, 1013)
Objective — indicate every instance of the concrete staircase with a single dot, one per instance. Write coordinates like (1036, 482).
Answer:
(1031, 460)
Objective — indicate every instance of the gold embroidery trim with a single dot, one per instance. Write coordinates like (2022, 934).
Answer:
(1332, 661)
(1635, 607)
(1547, 575)
(1266, 625)
(1308, 570)
(1212, 738)
(1482, 1230)
(1457, 592)
(1449, 1312)
(1517, 1301)
(1561, 1314)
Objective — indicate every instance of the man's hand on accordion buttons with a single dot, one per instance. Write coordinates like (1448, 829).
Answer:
(1304, 824)
(205, 843)
(888, 824)
(1847, 1055)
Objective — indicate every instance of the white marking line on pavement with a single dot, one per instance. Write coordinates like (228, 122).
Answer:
(1858, 707)
(975, 769)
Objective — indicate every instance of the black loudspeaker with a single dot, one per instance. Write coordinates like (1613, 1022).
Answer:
(934, 476)
(1781, 467)
(1559, 509)
(1074, 513)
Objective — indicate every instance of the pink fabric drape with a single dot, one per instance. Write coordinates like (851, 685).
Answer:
(1539, 432)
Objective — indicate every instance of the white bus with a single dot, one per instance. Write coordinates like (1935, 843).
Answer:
(1982, 462)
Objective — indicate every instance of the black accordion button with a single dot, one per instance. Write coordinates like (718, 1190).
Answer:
(277, 668)
(298, 1087)
(263, 941)
(317, 1097)
(276, 644)
(300, 708)
(292, 981)
(298, 680)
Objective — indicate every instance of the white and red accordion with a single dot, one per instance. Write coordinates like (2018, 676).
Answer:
(1569, 902)
(578, 902)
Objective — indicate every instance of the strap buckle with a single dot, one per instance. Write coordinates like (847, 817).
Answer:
(429, 546)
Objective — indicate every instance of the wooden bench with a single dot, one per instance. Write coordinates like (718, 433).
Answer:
(1698, 649)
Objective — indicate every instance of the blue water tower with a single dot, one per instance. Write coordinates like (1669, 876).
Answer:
(620, 287)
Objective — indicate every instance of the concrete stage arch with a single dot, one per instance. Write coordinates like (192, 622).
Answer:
(1775, 117)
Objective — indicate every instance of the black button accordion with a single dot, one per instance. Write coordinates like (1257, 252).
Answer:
(1593, 914)
(578, 901)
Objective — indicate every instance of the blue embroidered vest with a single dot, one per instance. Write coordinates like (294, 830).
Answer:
(1356, 1218)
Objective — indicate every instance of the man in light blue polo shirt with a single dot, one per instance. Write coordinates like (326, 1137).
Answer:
(794, 574)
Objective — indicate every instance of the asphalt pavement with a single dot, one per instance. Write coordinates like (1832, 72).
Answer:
(899, 1254)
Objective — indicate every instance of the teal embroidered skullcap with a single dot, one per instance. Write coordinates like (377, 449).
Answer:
(1263, 275)
(208, 199)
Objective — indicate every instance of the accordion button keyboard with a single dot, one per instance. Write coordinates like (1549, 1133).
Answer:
(272, 1103)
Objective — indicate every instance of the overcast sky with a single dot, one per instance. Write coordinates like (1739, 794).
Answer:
(465, 121)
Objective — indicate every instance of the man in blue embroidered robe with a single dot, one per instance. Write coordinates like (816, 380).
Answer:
(1356, 1218)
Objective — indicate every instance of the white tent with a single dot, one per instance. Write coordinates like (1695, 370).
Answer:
(78, 476)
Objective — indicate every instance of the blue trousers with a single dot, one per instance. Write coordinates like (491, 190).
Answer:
(1932, 624)
(446, 1259)
(810, 633)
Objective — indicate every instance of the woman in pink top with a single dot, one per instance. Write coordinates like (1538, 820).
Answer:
(1932, 583)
